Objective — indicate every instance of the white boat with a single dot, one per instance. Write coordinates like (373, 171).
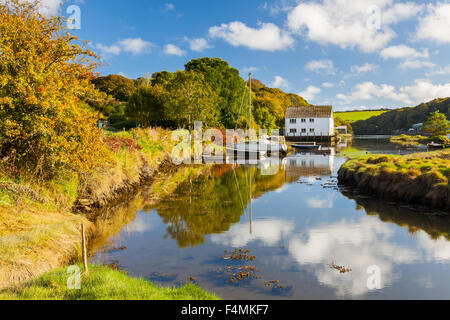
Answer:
(260, 147)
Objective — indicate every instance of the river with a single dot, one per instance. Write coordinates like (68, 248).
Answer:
(304, 237)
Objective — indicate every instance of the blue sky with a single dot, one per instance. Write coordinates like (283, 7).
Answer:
(353, 54)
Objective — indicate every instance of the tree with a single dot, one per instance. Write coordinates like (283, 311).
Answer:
(190, 98)
(437, 124)
(44, 82)
(146, 105)
(227, 84)
(116, 86)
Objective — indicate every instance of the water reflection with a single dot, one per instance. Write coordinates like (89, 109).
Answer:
(296, 229)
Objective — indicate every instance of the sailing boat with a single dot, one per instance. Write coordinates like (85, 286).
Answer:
(259, 147)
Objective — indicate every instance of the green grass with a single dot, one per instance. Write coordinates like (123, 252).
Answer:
(102, 283)
(357, 115)
(352, 153)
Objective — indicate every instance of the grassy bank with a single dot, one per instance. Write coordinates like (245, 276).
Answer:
(420, 178)
(102, 283)
(414, 141)
(39, 229)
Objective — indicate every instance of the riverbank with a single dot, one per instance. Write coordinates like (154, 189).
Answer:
(102, 283)
(415, 141)
(420, 178)
(40, 221)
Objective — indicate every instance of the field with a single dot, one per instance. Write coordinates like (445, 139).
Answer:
(357, 115)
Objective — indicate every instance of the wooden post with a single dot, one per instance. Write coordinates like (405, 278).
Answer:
(83, 248)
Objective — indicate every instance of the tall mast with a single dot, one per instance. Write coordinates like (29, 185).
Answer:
(250, 104)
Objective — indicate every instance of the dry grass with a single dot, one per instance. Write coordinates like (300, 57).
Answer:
(39, 232)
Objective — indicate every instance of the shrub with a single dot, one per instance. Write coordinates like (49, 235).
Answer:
(44, 79)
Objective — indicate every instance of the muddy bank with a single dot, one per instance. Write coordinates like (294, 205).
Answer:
(418, 179)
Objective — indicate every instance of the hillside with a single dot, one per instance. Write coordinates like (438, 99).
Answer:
(401, 119)
(275, 101)
(353, 116)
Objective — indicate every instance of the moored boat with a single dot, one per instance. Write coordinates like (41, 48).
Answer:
(307, 146)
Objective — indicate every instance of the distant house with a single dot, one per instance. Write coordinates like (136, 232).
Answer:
(305, 123)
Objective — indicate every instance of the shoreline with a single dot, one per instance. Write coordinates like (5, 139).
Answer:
(27, 254)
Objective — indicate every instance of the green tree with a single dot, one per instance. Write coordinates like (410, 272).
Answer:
(437, 124)
(146, 106)
(189, 98)
(116, 86)
(227, 84)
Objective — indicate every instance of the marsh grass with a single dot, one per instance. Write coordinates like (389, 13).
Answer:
(417, 178)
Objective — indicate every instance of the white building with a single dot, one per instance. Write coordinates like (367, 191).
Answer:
(309, 122)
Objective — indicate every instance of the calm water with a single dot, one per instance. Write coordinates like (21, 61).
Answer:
(300, 225)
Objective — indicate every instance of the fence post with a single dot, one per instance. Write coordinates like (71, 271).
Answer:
(83, 248)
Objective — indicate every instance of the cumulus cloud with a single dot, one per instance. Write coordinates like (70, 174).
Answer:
(321, 67)
(328, 85)
(310, 93)
(268, 37)
(50, 7)
(345, 23)
(280, 82)
(402, 51)
(422, 90)
(367, 67)
(135, 46)
(198, 44)
(416, 64)
(436, 24)
(173, 50)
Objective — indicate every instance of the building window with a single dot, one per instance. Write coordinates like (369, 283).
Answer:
(311, 130)
(311, 120)
(293, 131)
(303, 120)
(293, 121)
(303, 130)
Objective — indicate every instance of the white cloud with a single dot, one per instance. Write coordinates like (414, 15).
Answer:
(402, 51)
(198, 44)
(135, 46)
(321, 67)
(327, 85)
(421, 91)
(280, 82)
(168, 7)
(250, 69)
(345, 23)
(310, 93)
(268, 37)
(106, 51)
(440, 71)
(416, 64)
(172, 49)
(436, 25)
(367, 67)
(50, 7)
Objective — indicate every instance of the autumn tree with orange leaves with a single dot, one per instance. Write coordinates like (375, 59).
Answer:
(45, 75)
